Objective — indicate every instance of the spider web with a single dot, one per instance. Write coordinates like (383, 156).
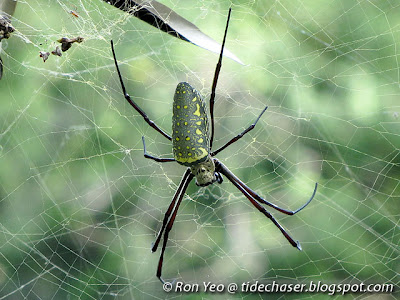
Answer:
(80, 205)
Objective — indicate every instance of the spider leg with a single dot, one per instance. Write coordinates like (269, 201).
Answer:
(232, 178)
(167, 214)
(186, 179)
(263, 201)
(215, 80)
(239, 136)
(282, 210)
(157, 159)
(132, 103)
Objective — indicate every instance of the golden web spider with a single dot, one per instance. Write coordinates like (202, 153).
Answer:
(192, 147)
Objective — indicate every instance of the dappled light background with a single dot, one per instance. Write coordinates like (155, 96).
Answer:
(80, 205)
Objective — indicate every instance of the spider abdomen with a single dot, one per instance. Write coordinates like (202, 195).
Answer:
(189, 126)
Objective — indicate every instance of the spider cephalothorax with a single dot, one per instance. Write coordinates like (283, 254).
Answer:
(192, 147)
(204, 172)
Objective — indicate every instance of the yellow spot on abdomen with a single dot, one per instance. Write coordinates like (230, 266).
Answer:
(185, 106)
(198, 131)
(197, 112)
(178, 106)
(177, 139)
(188, 138)
(200, 140)
(194, 99)
(198, 123)
(192, 157)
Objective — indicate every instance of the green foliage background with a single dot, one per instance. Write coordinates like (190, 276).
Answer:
(80, 206)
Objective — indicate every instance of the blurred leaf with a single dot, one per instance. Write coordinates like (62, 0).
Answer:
(167, 20)
(7, 8)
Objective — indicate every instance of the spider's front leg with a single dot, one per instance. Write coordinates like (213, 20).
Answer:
(219, 177)
(169, 219)
(255, 199)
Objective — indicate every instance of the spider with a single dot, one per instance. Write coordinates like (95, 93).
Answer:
(192, 147)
